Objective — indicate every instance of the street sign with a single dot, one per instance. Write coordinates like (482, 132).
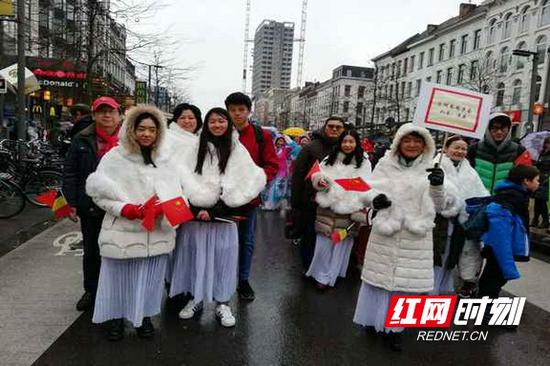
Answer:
(3, 86)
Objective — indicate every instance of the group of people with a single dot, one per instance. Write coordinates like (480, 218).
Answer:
(118, 175)
(418, 206)
(433, 217)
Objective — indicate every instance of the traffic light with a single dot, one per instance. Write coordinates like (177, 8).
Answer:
(47, 95)
(538, 109)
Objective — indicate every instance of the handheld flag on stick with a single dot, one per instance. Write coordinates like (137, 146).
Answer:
(340, 234)
(176, 211)
(353, 184)
(314, 169)
(57, 202)
(148, 221)
(524, 159)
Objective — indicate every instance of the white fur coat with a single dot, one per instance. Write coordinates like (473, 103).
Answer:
(121, 178)
(241, 182)
(337, 198)
(399, 254)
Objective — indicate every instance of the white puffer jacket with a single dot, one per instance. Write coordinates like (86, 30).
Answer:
(337, 198)
(121, 178)
(242, 181)
(399, 255)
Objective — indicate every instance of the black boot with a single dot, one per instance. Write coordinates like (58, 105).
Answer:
(245, 291)
(146, 330)
(394, 341)
(115, 329)
(86, 302)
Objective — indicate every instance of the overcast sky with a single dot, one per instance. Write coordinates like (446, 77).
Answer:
(338, 32)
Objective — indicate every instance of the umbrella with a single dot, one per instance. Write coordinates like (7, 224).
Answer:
(294, 131)
(533, 142)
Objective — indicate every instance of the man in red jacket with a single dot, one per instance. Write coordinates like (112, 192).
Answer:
(260, 146)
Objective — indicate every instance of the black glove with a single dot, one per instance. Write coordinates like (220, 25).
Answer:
(381, 202)
(436, 176)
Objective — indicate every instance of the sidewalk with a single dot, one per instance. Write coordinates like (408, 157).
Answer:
(39, 287)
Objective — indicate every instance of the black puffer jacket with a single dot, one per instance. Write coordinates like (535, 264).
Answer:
(302, 190)
(81, 161)
(543, 164)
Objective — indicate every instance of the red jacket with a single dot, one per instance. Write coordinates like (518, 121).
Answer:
(266, 158)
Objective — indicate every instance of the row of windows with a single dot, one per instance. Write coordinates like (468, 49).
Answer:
(525, 19)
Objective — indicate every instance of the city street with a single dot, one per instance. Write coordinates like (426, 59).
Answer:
(290, 322)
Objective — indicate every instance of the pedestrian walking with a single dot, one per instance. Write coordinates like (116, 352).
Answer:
(222, 178)
(541, 195)
(259, 144)
(408, 192)
(133, 259)
(338, 208)
(451, 249)
(278, 190)
(302, 193)
(86, 150)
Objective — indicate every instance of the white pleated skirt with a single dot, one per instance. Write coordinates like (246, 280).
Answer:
(329, 260)
(372, 307)
(205, 261)
(130, 289)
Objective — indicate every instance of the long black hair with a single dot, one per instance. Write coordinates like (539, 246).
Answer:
(146, 151)
(222, 143)
(358, 153)
(180, 108)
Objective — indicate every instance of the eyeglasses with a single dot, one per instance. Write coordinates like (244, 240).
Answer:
(497, 128)
(335, 127)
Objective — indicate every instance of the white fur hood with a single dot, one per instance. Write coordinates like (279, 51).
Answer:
(336, 198)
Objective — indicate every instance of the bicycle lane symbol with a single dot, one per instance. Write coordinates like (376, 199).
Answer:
(69, 244)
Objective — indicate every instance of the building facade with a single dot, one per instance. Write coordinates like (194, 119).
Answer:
(273, 44)
(472, 50)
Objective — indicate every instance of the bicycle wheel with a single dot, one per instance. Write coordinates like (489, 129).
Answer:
(41, 182)
(12, 200)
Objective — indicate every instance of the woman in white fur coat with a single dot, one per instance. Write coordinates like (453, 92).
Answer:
(337, 208)
(183, 135)
(407, 191)
(133, 261)
(221, 176)
(456, 249)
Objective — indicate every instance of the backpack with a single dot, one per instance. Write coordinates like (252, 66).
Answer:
(260, 140)
(477, 223)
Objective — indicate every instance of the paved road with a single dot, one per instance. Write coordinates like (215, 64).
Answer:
(290, 323)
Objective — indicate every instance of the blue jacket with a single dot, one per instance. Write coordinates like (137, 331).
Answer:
(507, 236)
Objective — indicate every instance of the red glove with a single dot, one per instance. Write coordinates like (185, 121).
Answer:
(132, 212)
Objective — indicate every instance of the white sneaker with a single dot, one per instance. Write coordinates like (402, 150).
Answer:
(223, 313)
(190, 309)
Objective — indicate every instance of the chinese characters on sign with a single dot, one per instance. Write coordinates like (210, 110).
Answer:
(453, 110)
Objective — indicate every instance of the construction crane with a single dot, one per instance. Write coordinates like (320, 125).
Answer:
(246, 41)
(301, 41)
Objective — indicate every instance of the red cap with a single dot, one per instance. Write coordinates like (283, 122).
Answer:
(105, 101)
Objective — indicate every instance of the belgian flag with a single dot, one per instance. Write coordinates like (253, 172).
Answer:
(57, 202)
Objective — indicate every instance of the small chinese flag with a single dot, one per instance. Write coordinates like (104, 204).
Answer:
(47, 198)
(176, 211)
(524, 159)
(314, 169)
(353, 184)
(57, 202)
(338, 235)
(367, 146)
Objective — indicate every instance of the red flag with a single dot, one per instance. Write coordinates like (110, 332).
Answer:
(314, 169)
(524, 159)
(176, 211)
(47, 198)
(148, 221)
(367, 145)
(353, 184)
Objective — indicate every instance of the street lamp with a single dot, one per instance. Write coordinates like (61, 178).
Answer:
(532, 92)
